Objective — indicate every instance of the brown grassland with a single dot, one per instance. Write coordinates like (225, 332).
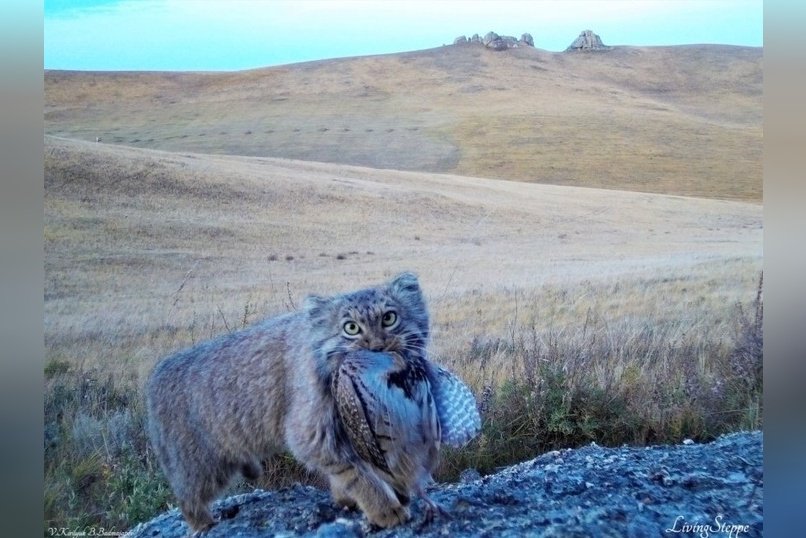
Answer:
(587, 230)
(675, 120)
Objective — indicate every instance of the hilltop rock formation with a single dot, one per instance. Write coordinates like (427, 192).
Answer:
(493, 41)
(591, 491)
(587, 41)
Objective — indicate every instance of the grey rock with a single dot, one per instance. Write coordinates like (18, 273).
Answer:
(587, 41)
(589, 491)
(509, 41)
(469, 475)
(489, 37)
(493, 41)
(475, 38)
(339, 529)
(461, 40)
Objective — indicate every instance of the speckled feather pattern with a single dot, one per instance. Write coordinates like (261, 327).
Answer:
(390, 415)
(456, 407)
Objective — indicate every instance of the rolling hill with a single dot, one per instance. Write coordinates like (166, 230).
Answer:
(675, 120)
(129, 232)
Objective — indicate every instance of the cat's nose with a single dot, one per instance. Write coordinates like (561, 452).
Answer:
(376, 344)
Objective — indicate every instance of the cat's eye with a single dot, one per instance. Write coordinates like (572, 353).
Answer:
(351, 328)
(389, 318)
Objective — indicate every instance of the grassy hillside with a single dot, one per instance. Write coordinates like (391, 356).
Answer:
(574, 314)
(146, 251)
(677, 120)
(124, 228)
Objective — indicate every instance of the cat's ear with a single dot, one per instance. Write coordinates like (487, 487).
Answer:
(318, 308)
(406, 285)
(405, 288)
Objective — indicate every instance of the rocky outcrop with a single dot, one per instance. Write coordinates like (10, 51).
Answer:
(587, 41)
(493, 41)
(496, 42)
(680, 490)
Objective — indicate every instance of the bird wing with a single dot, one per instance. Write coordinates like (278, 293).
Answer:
(456, 406)
(357, 408)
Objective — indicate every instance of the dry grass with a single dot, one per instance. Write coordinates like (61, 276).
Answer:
(674, 120)
(581, 314)
(143, 248)
(613, 380)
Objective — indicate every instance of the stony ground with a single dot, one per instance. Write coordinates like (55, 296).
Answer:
(713, 489)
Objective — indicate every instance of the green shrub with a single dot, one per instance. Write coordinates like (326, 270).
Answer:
(56, 367)
(99, 469)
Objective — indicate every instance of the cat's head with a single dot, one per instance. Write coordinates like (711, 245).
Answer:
(389, 317)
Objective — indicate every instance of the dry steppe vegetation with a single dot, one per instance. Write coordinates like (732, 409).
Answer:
(576, 314)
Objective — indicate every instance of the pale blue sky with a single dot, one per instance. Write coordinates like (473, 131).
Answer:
(212, 35)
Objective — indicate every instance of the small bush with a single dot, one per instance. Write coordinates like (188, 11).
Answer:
(56, 367)
(99, 468)
(137, 490)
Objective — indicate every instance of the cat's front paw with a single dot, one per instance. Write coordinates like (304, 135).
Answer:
(389, 516)
(345, 502)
